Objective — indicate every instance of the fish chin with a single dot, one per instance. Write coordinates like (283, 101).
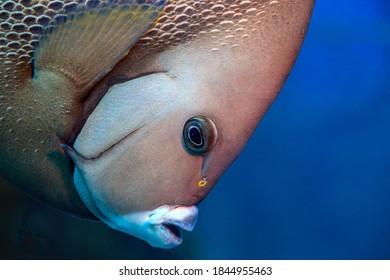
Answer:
(160, 227)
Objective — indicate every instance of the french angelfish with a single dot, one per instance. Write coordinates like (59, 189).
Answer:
(129, 111)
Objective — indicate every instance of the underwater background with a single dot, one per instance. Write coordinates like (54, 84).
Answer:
(313, 182)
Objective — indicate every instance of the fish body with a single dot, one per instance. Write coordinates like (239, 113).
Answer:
(135, 125)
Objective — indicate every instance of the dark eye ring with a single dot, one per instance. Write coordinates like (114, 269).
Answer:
(199, 135)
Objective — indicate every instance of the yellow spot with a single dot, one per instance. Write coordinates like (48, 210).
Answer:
(202, 183)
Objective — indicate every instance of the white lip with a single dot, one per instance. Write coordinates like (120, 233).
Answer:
(168, 221)
(160, 227)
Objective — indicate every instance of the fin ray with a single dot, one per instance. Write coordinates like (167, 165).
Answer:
(86, 45)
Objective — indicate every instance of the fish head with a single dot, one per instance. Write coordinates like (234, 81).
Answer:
(178, 110)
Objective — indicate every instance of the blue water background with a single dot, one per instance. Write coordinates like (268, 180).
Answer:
(314, 181)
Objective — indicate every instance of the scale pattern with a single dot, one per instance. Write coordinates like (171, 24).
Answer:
(22, 22)
(228, 21)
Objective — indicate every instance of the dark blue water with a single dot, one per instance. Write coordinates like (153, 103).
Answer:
(314, 182)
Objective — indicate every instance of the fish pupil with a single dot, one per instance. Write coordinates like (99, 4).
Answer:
(195, 135)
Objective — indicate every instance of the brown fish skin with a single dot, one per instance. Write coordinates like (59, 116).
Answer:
(35, 119)
(32, 129)
(40, 100)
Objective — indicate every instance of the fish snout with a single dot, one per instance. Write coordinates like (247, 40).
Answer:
(160, 228)
(168, 222)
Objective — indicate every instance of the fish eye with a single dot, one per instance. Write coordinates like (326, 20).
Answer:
(199, 135)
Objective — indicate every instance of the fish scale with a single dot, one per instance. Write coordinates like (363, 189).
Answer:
(24, 21)
(181, 22)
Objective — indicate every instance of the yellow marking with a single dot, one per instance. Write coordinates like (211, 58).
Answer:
(202, 183)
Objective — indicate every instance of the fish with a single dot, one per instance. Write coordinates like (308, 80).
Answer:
(129, 111)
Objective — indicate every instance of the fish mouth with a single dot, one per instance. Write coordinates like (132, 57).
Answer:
(170, 221)
(174, 231)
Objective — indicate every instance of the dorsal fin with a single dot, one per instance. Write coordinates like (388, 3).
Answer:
(86, 43)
